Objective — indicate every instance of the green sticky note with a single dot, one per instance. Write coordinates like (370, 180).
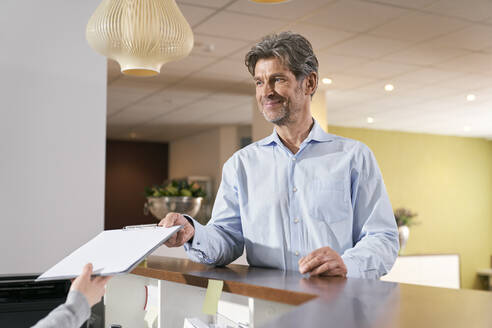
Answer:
(212, 296)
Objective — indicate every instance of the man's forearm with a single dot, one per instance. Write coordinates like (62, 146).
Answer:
(215, 244)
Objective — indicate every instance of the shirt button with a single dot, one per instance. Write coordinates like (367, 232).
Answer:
(293, 158)
(294, 189)
(297, 253)
(296, 220)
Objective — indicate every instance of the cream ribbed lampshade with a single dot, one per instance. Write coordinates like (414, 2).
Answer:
(141, 35)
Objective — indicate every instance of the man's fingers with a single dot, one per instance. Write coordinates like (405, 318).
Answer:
(102, 280)
(309, 265)
(169, 220)
(184, 236)
(172, 240)
(327, 268)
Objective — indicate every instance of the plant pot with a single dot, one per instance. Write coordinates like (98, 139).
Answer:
(161, 206)
(403, 234)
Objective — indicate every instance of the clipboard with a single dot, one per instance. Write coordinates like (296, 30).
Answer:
(111, 252)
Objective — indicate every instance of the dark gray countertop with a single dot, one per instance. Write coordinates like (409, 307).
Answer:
(336, 302)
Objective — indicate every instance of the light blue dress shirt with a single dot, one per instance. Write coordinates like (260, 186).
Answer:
(282, 206)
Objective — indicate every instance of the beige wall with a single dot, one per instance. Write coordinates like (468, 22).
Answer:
(448, 181)
(203, 154)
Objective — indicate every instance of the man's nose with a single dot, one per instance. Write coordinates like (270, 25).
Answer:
(268, 90)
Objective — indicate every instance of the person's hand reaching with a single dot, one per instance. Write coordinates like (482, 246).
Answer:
(92, 288)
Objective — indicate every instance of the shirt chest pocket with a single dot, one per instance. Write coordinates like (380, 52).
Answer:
(328, 200)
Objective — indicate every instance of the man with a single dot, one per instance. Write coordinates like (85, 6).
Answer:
(84, 293)
(300, 199)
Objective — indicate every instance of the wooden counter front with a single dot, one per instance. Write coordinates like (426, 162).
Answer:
(335, 302)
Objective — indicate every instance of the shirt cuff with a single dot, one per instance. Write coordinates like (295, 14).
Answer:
(353, 267)
(77, 301)
(200, 240)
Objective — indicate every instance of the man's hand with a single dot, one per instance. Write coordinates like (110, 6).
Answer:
(323, 261)
(92, 289)
(183, 235)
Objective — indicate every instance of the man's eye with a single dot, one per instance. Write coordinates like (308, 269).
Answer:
(278, 79)
(258, 83)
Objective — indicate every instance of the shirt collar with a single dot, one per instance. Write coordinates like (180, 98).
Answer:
(316, 134)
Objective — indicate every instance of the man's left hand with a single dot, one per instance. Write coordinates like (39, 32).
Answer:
(323, 261)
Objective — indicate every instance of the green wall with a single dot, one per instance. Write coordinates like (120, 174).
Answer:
(448, 182)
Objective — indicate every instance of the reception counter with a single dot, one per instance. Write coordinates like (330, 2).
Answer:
(294, 300)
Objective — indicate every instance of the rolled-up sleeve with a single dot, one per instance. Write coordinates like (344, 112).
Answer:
(375, 233)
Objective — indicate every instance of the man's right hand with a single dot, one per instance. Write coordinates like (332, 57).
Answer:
(183, 235)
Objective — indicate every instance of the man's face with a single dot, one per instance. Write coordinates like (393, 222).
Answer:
(279, 95)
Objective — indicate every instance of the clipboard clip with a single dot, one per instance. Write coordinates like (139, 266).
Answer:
(140, 226)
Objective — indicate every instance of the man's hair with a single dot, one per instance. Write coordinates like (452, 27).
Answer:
(293, 50)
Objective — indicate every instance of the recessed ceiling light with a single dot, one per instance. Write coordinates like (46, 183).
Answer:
(370, 120)
(326, 80)
(466, 128)
(389, 87)
(471, 97)
(133, 135)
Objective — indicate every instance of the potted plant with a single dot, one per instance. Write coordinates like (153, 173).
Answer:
(176, 196)
(404, 219)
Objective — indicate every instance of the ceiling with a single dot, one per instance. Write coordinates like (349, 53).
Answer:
(434, 52)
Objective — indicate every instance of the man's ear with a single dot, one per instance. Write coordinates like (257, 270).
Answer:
(311, 83)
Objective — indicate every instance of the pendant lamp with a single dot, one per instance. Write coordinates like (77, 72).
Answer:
(141, 35)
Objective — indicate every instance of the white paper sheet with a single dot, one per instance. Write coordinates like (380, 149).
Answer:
(111, 252)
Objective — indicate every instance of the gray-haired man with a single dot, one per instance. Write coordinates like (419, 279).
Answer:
(300, 199)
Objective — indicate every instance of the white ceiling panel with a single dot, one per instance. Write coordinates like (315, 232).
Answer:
(427, 53)
(472, 63)
(426, 93)
(126, 90)
(467, 82)
(378, 88)
(354, 16)
(236, 115)
(336, 100)
(131, 118)
(193, 113)
(319, 36)
(474, 38)
(215, 46)
(195, 14)
(381, 69)
(233, 99)
(291, 10)
(425, 76)
(475, 10)
(345, 81)
(187, 65)
(418, 26)
(204, 3)
(227, 24)
(414, 4)
(329, 63)
(230, 68)
(368, 47)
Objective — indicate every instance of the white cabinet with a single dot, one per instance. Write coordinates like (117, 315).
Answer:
(428, 270)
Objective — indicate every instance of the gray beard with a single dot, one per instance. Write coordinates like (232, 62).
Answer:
(280, 120)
